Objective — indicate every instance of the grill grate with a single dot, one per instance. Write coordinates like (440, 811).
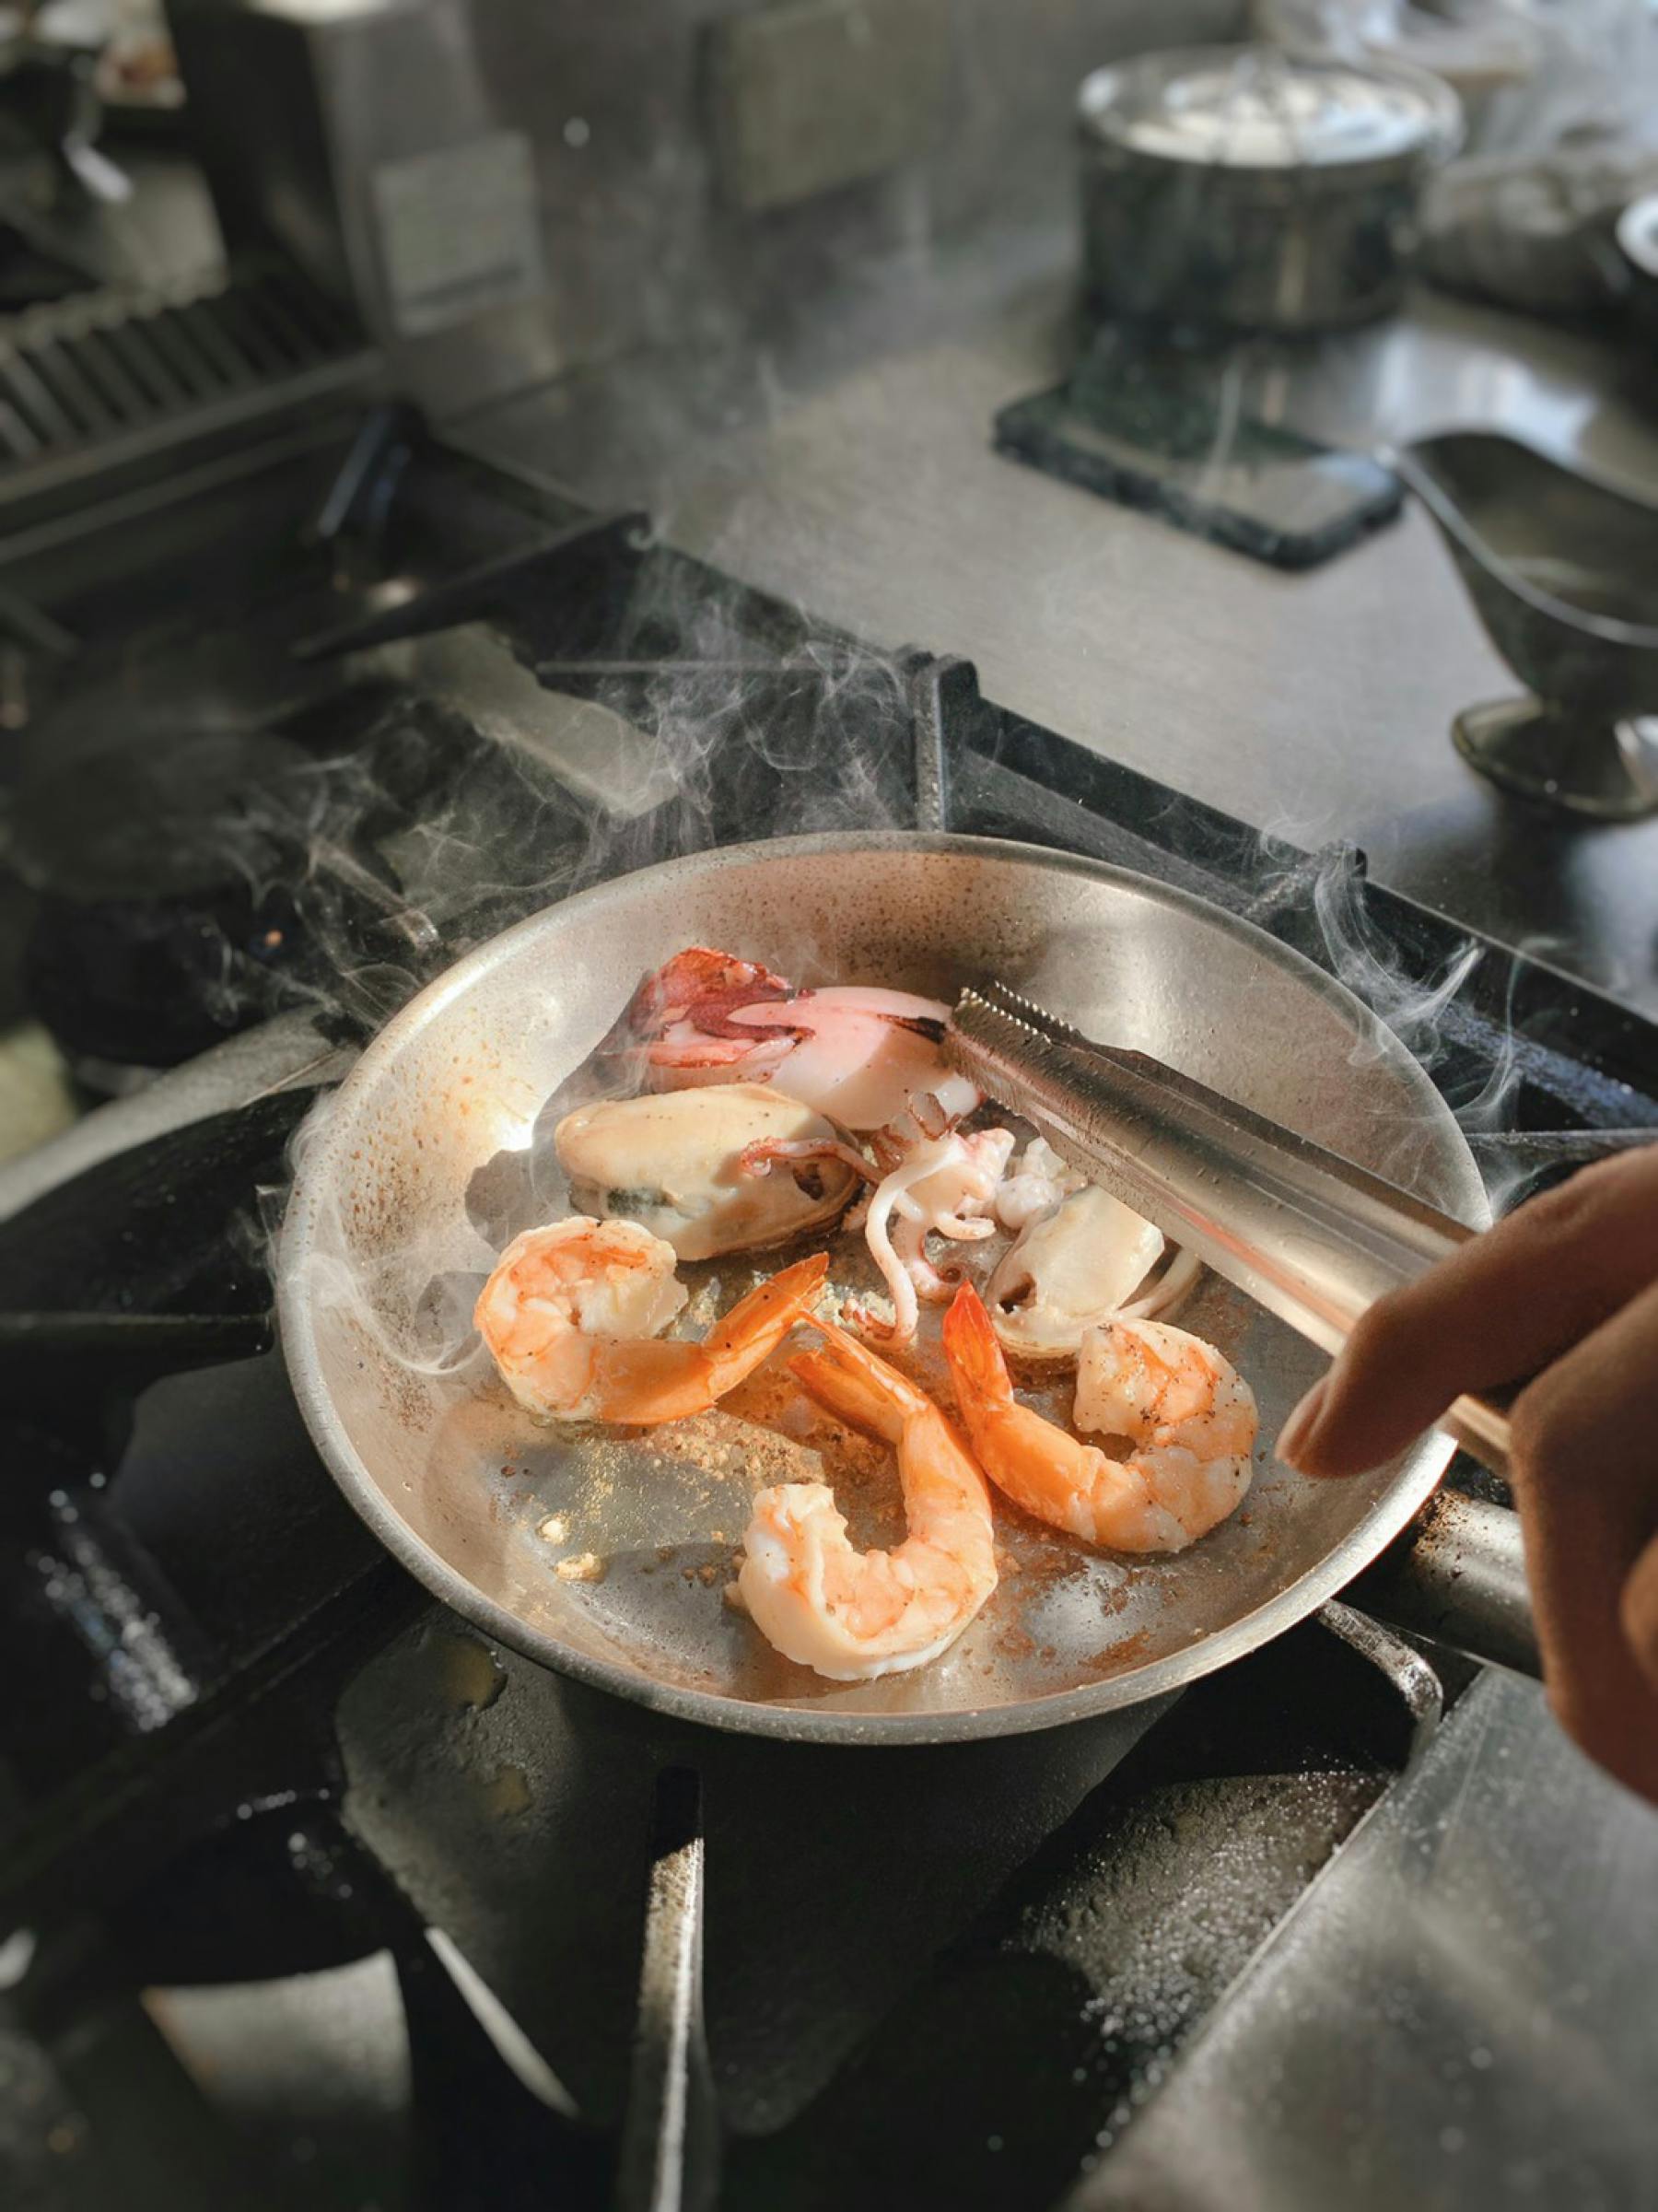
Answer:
(85, 380)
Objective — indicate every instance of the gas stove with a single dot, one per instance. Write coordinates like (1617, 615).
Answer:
(312, 1895)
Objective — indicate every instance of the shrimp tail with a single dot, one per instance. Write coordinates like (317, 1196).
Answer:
(758, 1323)
(976, 1364)
(845, 1395)
(647, 1381)
(846, 1378)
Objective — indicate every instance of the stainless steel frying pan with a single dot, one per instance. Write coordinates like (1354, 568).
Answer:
(436, 1150)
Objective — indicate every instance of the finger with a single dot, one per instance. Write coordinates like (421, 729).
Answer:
(1639, 1611)
(1585, 1474)
(1501, 1307)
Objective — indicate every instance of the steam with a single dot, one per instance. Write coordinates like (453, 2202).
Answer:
(505, 782)
(738, 742)
(513, 782)
(1481, 1060)
(519, 779)
(430, 1335)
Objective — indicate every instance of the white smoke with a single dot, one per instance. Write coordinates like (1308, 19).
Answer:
(1458, 1021)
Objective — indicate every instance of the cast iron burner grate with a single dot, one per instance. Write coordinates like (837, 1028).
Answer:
(618, 1961)
(92, 383)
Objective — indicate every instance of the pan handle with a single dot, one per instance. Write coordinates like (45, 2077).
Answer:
(1457, 1576)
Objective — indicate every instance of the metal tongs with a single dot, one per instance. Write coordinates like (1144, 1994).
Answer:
(1306, 1233)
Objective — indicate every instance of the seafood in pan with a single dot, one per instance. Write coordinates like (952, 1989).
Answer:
(854, 1054)
(678, 1163)
(934, 1186)
(1188, 1416)
(870, 1062)
(853, 1615)
(1076, 1266)
(769, 1113)
(867, 1059)
(573, 1316)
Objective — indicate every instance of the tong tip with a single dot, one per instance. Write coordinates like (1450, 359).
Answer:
(992, 1036)
(994, 1002)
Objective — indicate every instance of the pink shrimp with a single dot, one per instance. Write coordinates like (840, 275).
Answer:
(572, 1316)
(853, 1615)
(1189, 1417)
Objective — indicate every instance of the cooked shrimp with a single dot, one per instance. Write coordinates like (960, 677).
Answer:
(853, 1615)
(1188, 1416)
(573, 1313)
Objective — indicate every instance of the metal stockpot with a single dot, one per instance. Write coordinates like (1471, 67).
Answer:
(1247, 188)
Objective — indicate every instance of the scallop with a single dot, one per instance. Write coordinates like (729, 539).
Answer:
(670, 1162)
(1070, 1269)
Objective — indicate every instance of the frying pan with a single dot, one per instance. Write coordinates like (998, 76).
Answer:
(606, 1555)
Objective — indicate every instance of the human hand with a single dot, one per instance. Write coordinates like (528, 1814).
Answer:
(1564, 1293)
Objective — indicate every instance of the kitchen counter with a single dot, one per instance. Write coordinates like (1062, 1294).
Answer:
(850, 467)
(1434, 2024)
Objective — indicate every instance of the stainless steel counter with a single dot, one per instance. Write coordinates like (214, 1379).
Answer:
(850, 467)
(1441, 2022)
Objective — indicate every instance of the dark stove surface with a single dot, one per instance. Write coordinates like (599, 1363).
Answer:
(420, 700)
(265, 1795)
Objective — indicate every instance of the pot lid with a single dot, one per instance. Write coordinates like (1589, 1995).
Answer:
(1263, 108)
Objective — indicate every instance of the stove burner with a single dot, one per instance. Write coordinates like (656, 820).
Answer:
(152, 821)
(192, 889)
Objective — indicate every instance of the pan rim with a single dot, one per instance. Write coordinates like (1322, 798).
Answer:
(1391, 1513)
